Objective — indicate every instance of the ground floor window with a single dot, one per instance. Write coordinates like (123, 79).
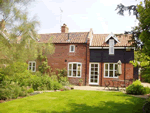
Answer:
(110, 70)
(74, 69)
(32, 66)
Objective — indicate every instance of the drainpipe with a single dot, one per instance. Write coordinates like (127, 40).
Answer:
(86, 63)
(101, 65)
(124, 66)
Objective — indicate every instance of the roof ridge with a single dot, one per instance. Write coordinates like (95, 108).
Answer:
(62, 33)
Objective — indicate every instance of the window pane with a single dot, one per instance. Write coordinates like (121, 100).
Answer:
(96, 69)
(116, 66)
(96, 80)
(92, 69)
(92, 73)
(96, 77)
(74, 73)
(96, 65)
(115, 73)
(111, 66)
(74, 66)
(29, 67)
(110, 73)
(33, 64)
(79, 67)
(96, 73)
(92, 76)
(29, 64)
(70, 66)
(78, 73)
(70, 72)
(33, 68)
(106, 73)
(72, 48)
(106, 66)
(92, 65)
(91, 80)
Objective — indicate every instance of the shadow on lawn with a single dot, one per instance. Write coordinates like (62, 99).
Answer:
(131, 105)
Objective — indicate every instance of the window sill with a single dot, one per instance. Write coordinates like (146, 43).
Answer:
(73, 77)
(110, 77)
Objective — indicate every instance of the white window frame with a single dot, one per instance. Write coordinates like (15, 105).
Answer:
(32, 65)
(109, 70)
(73, 47)
(111, 45)
(76, 69)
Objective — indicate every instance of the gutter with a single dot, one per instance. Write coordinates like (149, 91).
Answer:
(101, 66)
(124, 66)
(86, 60)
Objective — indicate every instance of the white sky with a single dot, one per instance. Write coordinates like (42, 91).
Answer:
(81, 15)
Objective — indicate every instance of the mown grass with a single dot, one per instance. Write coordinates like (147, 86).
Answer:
(75, 101)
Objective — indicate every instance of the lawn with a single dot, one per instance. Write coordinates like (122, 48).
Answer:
(75, 101)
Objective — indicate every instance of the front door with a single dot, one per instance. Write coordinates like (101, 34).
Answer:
(94, 74)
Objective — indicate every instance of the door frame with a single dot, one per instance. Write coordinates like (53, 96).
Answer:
(90, 73)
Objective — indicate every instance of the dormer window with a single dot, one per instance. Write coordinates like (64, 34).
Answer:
(111, 47)
(72, 48)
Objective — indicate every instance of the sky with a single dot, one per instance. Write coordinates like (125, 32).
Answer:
(81, 15)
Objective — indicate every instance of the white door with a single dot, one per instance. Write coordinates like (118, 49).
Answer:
(94, 74)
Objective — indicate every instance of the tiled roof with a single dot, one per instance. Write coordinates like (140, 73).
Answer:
(74, 37)
(99, 40)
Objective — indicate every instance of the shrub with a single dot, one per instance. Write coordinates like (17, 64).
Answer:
(9, 90)
(64, 81)
(136, 88)
(146, 90)
(56, 85)
(31, 90)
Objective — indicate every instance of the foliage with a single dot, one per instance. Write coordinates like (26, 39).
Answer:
(44, 67)
(140, 35)
(80, 80)
(137, 88)
(56, 85)
(9, 90)
(76, 101)
(31, 90)
(64, 81)
(146, 108)
(19, 42)
(16, 67)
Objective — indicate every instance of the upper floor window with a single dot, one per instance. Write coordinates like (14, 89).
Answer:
(72, 48)
(110, 70)
(111, 47)
(32, 66)
(74, 69)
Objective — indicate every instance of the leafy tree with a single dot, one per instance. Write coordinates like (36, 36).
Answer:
(18, 33)
(140, 34)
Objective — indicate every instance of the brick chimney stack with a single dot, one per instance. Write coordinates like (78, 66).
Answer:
(64, 29)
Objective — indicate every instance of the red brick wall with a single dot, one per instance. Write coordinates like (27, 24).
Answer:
(57, 60)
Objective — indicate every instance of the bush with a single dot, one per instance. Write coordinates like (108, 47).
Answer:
(64, 81)
(56, 85)
(146, 90)
(31, 90)
(135, 88)
(9, 90)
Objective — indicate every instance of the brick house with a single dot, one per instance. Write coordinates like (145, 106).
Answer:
(90, 57)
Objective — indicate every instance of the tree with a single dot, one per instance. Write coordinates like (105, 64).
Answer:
(18, 33)
(140, 34)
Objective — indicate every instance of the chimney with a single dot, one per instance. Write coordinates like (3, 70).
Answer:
(64, 28)
(2, 24)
